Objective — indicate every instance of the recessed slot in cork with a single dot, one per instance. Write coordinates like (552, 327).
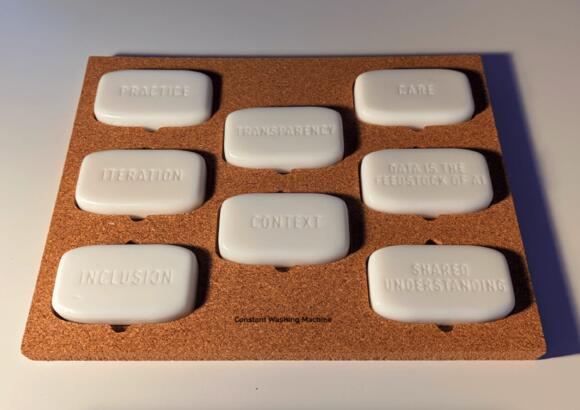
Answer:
(131, 243)
(445, 328)
(119, 328)
(135, 218)
(282, 268)
(433, 242)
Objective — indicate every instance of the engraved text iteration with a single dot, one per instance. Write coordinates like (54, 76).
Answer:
(287, 222)
(162, 90)
(142, 175)
(285, 130)
(428, 174)
(126, 277)
(416, 89)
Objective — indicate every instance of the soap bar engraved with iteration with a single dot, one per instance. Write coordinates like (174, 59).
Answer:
(414, 98)
(125, 284)
(427, 182)
(442, 284)
(153, 98)
(141, 182)
(283, 138)
(283, 229)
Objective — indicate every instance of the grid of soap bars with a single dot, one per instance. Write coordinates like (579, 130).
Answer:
(247, 311)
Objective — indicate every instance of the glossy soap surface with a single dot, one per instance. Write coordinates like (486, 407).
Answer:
(141, 182)
(427, 182)
(283, 229)
(413, 98)
(125, 284)
(153, 98)
(442, 284)
(283, 138)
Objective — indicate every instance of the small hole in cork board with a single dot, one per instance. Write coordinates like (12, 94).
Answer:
(119, 328)
(131, 243)
(433, 242)
(282, 268)
(445, 328)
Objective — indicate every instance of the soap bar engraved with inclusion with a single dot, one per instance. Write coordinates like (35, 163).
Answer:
(442, 284)
(283, 138)
(283, 229)
(414, 98)
(141, 182)
(125, 284)
(427, 182)
(153, 98)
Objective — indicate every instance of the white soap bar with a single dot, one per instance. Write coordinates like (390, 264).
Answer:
(125, 284)
(153, 98)
(283, 229)
(440, 284)
(426, 182)
(141, 182)
(414, 98)
(283, 138)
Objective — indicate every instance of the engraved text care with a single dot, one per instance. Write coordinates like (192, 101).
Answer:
(416, 89)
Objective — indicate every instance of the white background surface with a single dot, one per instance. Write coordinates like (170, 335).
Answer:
(44, 48)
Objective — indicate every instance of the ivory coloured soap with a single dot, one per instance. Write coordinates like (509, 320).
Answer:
(125, 284)
(442, 284)
(153, 98)
(283, 229)
(141, 182)
(427, 182)
(283, 138)
(414, 98)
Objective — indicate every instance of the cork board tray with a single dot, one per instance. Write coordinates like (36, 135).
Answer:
(322, 311)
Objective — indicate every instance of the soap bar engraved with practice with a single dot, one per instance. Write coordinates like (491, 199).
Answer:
(153, 98)
(427, 182)
(283, 229)
(125, 284)
(283, 138)
(442, 284)
(414, 98)
(141, 182)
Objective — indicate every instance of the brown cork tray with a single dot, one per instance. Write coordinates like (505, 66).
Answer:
(330, 302)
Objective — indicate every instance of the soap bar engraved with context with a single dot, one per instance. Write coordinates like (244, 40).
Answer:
(427, 182)
(283, 229)
(153, 98)
(414, 98)
(442, 284)
(141, 182)
(283, 138)
(125, 284)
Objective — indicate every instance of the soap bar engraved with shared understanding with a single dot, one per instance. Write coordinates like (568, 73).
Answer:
(283, 138)
(153, 98)
(442, 284)
(283, 229)
(427, 182)
(141, 182)
(414, 98)
(125, 284)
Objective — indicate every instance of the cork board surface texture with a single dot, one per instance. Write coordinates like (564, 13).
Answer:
(338, 323)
